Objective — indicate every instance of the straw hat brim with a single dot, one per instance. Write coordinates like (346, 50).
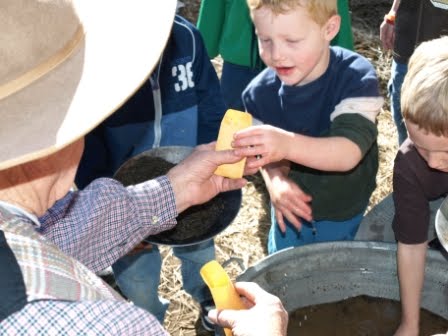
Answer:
(123, 41)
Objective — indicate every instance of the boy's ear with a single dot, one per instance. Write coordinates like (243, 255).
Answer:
(331, 28)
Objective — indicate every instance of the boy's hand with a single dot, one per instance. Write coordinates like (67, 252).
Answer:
(267, 143)
(287, 198)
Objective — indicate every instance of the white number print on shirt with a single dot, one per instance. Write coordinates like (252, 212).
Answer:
(184, 77)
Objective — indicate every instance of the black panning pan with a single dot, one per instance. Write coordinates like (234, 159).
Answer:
(195, 225)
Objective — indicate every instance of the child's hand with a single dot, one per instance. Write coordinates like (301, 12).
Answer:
(288, 199)
(267, 143)
(291, 202)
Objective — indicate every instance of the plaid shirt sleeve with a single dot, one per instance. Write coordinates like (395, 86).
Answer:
(100, 318)
(105, 220)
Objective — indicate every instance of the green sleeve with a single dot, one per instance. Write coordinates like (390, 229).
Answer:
(357, 128)
(210, 23)
(339, 196)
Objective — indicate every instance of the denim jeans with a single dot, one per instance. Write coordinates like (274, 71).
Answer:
(324, 231)
(398, 71)
(234, 79)
(138, 275)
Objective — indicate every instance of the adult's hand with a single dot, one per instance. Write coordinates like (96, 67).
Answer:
(387, 35)
(265, 315)
(387, 30)
(193, 180)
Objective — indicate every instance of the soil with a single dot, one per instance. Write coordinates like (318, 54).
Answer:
(194, 224)
(141, 169)
(358, 316)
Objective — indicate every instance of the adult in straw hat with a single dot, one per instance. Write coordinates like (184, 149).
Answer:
(67, 65)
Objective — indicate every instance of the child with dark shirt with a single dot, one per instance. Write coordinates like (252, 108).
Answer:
(420, 171)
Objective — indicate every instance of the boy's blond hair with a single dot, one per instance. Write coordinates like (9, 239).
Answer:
(424, 94)
(319, 10)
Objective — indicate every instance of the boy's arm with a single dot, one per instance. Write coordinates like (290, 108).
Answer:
(411, 272)
(350, 137)
(410, 225)
(210, 23)
(326, 154)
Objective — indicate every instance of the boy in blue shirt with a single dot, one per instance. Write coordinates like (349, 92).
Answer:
(317, 150)
(180, 104)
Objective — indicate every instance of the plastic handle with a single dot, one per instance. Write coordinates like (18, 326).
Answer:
(232, 122)
(221, 287)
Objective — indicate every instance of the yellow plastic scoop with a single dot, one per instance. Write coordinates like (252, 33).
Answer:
(221, 287)
(232, 122)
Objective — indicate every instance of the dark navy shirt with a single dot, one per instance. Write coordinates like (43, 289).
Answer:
(343, 102)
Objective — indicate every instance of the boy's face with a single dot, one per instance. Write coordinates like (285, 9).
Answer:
(433, 148)
(294, 45)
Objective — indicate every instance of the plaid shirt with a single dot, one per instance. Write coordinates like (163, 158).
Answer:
(99, 318)
(96, 226)
(104, 221)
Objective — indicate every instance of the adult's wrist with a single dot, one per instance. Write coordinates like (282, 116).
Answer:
(181, 195)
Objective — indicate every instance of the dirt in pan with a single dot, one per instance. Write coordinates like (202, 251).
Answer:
(195, 223)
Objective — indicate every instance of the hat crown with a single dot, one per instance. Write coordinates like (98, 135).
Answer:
(26, 40)
(66, 65)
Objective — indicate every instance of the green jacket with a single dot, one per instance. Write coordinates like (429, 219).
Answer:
(228, 31)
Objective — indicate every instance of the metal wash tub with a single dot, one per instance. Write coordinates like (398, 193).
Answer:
(330, 272)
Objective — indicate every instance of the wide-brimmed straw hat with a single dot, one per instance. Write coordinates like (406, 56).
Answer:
(65, 65)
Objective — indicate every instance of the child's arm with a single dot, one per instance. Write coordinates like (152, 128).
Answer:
(411, 272)
(334, 153)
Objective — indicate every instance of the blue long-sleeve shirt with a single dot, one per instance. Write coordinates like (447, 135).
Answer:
(343, 102)
(180, 104)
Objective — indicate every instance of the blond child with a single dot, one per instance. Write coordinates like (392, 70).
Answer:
(420, 170)
(319, 103)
